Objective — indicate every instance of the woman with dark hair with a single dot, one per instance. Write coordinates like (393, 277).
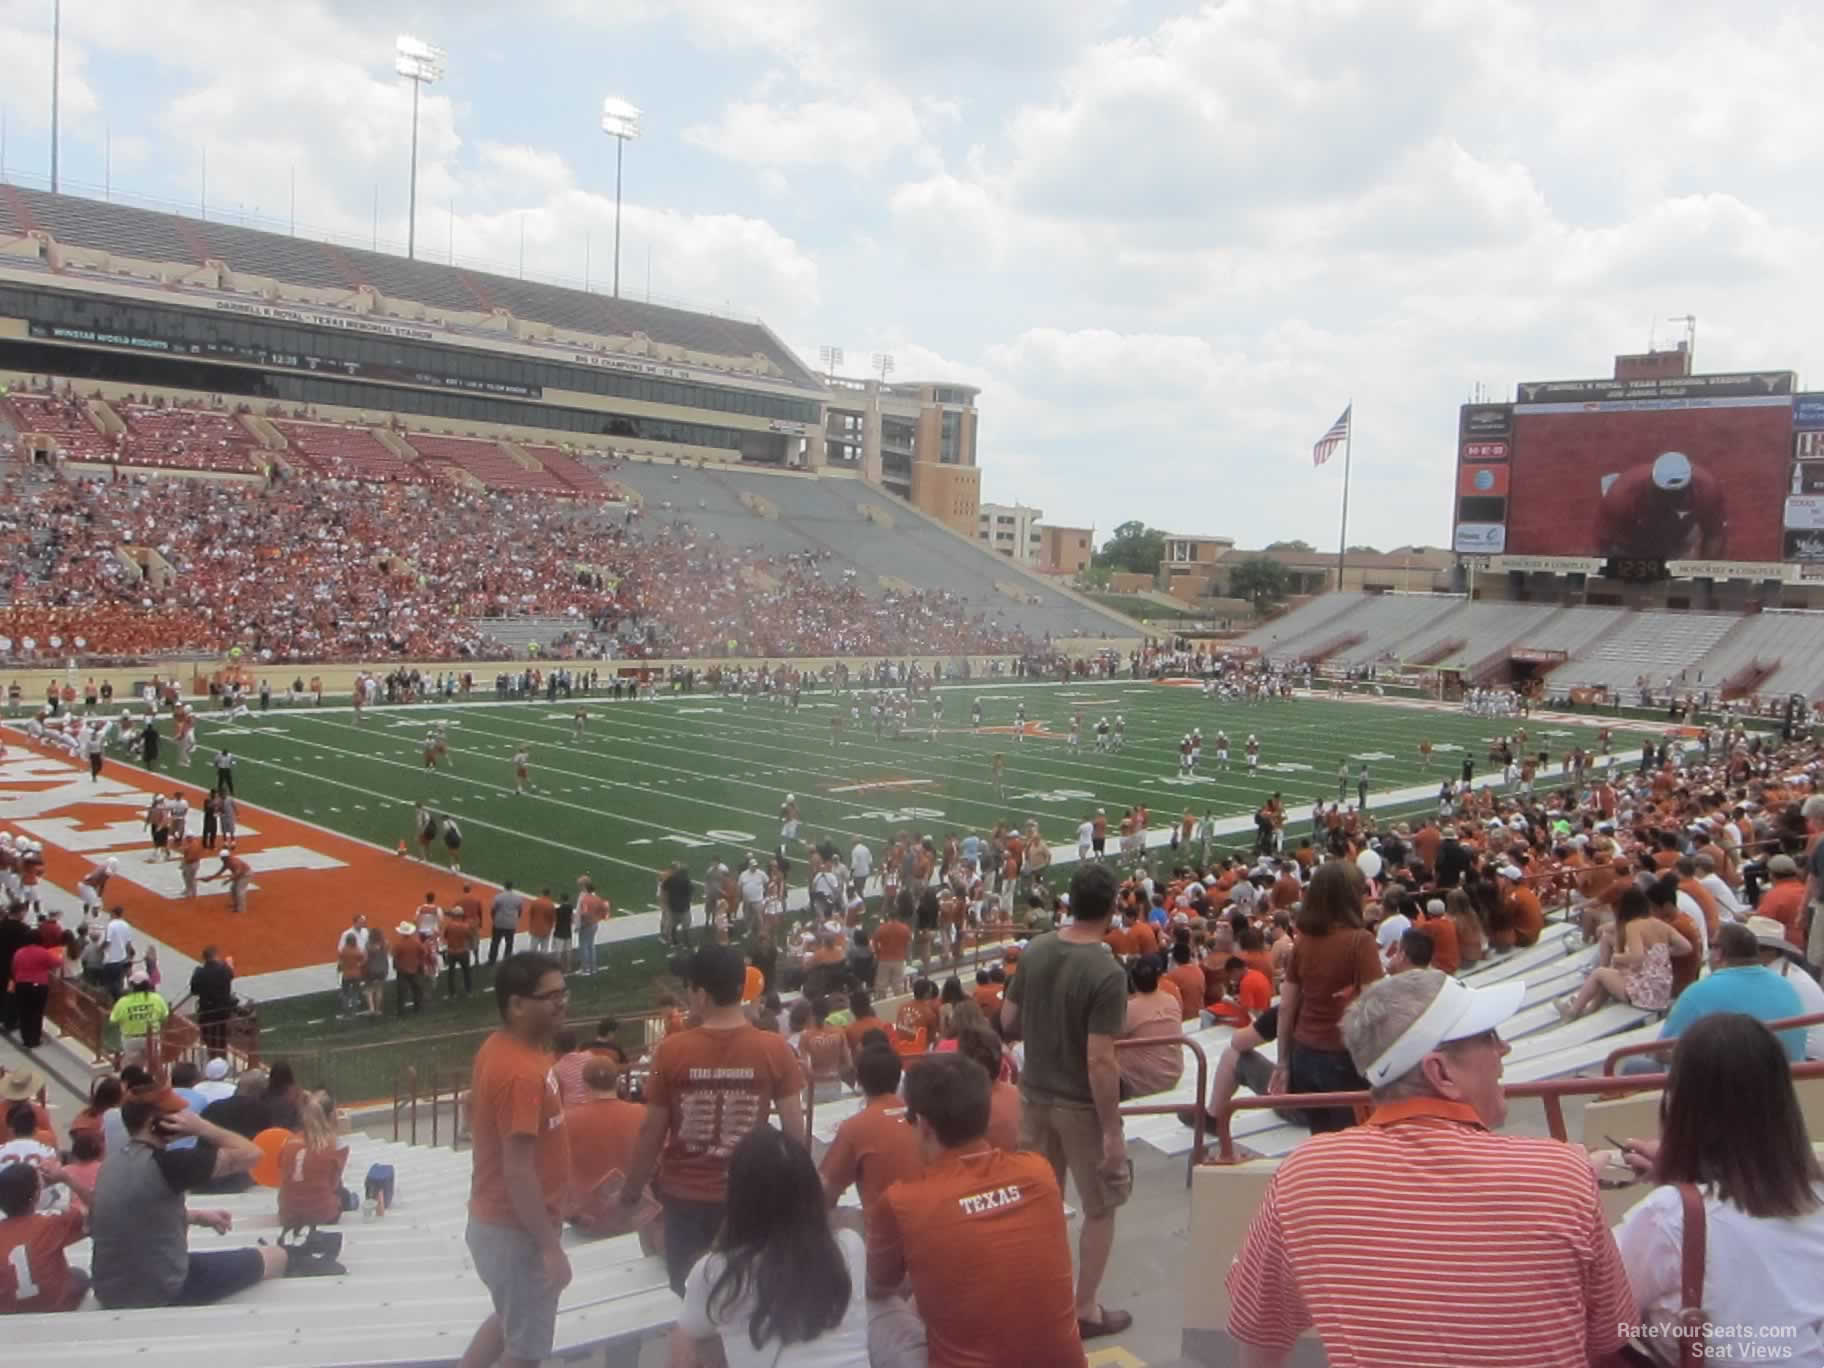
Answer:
(947, 1000)
(1332, 960)
(1635, 963)
(1762, 1188)
(779, 1288)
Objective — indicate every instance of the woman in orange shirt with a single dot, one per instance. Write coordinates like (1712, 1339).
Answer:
(310, 1167)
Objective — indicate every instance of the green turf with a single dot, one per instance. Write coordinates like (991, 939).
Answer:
(702, 777)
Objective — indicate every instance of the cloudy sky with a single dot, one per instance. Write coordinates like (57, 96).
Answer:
(1168, 241)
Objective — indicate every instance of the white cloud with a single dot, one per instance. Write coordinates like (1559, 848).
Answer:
(1168, 240)
(857, 134)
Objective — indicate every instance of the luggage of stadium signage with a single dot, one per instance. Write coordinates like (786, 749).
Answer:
(311, 1253)
(379, 1188)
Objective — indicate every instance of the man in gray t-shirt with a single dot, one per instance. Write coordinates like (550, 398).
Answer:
(1069, 1000)
(139, 1219)
(503, 915)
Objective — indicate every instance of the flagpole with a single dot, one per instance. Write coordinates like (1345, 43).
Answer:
(1342, 540)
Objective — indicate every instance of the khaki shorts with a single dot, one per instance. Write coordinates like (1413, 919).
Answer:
(1070, 1138)
(508, 1264)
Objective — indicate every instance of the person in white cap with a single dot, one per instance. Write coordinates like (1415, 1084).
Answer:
(214, 1085)
(1348, 1215)
(1668, 509)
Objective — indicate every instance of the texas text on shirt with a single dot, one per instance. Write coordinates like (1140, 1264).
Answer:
(979, 1200)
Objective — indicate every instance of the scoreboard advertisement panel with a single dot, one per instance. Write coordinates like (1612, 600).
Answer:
(1675, 469)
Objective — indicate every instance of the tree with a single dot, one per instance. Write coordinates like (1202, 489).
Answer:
(1262, 582)
(1134, 548)
(1290, 546)
(1365, 550)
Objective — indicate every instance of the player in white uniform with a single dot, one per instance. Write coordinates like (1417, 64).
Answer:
(1076, 731)
(1102, 733)
(1019, 722)
(1119, 740)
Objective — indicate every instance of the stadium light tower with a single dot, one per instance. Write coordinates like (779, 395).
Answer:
(620, 121)
(419, 63)
(883, 362)
(831, 358)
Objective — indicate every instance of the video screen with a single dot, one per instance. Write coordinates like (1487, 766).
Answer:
(1678, 484)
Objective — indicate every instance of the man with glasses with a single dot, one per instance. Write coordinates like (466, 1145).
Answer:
(1348, 1216)
(521, 1166)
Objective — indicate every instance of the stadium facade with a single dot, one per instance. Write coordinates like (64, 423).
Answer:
(107, 293)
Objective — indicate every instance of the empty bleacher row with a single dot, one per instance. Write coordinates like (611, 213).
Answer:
(1766, 655)
(213, 440)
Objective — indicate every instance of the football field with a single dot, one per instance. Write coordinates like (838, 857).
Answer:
(702, 777)
(325, 798)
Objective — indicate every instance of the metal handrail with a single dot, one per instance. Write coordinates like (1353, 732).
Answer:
(1142, 1109)
(1670, 1042)
(1551, 1092)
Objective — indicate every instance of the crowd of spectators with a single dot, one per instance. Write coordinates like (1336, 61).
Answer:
(332, 569)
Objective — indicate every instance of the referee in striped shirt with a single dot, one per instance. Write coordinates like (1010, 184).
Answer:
(1424, 1239)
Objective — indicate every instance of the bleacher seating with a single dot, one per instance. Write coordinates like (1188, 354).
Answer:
(1482, 628)
(345, 452)
(410, 1294)
(185, 439)
(1791, 644)
(488, 463)
(60, 417)
(1572, 630)
(1611, 648)
(147, 235)
(574, 472)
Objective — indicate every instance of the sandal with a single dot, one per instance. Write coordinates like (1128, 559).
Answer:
(1113, 1322)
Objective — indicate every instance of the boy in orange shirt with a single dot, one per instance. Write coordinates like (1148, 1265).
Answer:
(521, 1166)
(1018, 1307)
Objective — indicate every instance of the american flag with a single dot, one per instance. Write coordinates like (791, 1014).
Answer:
(1331, 440)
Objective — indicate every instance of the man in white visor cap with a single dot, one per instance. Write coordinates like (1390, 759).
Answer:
(1508, 1228)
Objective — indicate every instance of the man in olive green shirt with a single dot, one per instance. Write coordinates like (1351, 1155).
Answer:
(1069, 1000)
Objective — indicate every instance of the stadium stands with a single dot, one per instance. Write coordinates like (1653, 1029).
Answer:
(345, 453)
(185, 439)
(62, 417)
(145, 235)
(1656, 646)
(1473, 632)
(489, 463)
(1764, 655)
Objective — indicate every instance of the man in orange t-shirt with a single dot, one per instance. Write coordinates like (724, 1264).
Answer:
(603, 1131)
(1446, 954)
(707, 1089)
(459, 931)
(892, 939)
(1020, 1305)
(877, 1146)
(1189, 980)
(1524, 912)
(521, 1164)
(541, 920)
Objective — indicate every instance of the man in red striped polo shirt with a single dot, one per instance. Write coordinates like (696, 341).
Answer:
(1423, 1239)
